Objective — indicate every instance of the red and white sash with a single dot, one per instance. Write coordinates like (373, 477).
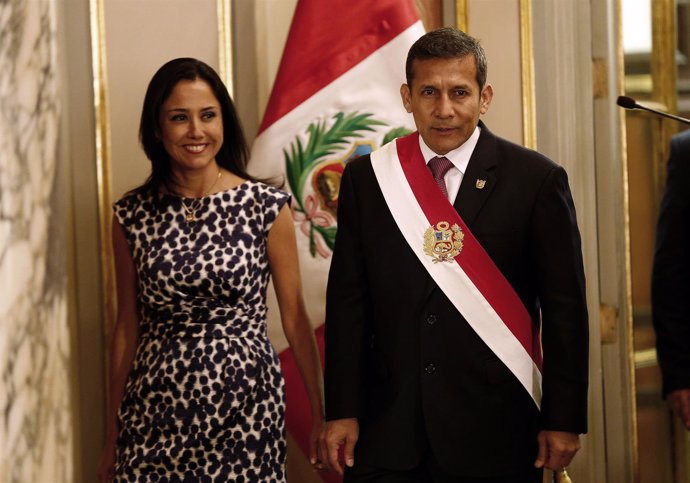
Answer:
(470, 280)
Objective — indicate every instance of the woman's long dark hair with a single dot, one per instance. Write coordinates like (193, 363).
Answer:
(233, 154)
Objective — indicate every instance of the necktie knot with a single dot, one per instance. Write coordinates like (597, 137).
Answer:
(439, 166)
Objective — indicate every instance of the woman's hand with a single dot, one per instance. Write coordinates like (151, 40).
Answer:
(317, 427)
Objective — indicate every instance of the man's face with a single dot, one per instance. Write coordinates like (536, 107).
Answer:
(445, 101)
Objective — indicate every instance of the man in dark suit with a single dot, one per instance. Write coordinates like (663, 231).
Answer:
(433, 361)
(671, 281)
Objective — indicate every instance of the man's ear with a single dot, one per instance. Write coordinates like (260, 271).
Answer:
(406, 96)
(485, 98)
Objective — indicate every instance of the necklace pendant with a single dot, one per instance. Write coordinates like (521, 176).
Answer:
(190, 218)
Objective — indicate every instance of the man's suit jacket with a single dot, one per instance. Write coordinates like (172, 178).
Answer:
(401, 359)
(671, 272)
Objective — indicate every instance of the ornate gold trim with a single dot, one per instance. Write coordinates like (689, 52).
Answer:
(663, 67)
(645, 358)
(664, 91)
(461, 15)
(100, 100)
(225, 54)
(628, 314)
(443, 242)
(529, 128)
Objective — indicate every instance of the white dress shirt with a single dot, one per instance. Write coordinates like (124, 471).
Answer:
(460, 157)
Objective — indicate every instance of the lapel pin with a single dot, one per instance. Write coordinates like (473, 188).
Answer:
(480, 184)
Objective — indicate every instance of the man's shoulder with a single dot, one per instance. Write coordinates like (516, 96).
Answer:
(360, 160)
(359, 165)
(513, 155)
(682, 140)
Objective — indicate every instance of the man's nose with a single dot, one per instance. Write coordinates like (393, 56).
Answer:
(444, 107)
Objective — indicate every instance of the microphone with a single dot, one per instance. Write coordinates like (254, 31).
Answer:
(630, 103)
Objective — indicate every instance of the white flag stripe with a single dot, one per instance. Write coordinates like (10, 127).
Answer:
(372, 86)
(449, 276)
(367, 87)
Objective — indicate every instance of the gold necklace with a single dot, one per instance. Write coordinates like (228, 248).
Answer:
(191, 210)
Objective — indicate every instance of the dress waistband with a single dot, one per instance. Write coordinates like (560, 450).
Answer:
(192, 330)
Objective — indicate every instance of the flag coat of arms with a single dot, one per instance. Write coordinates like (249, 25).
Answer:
(336, 97)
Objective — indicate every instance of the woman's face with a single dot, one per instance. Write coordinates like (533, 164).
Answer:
(191, 126)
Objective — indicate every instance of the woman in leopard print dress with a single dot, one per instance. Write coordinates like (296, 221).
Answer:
(195, 387)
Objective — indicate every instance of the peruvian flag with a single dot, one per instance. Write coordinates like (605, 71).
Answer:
(336, 97)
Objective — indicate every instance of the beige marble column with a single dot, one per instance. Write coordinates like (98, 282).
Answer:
(35, 415)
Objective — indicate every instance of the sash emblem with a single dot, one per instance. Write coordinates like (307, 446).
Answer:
(443, 242)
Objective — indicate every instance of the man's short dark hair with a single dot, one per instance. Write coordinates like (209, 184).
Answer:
(447, 43)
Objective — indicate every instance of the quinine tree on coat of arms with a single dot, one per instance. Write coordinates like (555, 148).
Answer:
(313, 172)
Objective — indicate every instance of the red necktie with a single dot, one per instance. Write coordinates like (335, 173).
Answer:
(439, 166)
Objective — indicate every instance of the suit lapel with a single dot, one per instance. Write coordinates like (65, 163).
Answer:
(479, 180)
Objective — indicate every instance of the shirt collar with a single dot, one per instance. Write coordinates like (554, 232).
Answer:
(460, 156)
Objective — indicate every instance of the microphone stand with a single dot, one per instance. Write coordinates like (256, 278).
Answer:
(630, 103)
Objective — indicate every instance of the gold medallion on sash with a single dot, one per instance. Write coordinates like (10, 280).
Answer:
(443, 242)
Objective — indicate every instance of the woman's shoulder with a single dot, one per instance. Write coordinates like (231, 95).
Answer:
(134, 201)
(265, 190)
(133, 198)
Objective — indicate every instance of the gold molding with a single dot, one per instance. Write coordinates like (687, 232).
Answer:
(663, 60)
(628, 313)
(103, 178)
(461, 16)
(529, 129)
(645, 358)
(224, 13)
(663, 68)
(600, 78)
(529, 118)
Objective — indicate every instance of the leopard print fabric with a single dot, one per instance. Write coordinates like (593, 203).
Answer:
(204, 401)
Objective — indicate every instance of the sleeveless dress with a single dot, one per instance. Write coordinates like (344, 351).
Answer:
(204, 401)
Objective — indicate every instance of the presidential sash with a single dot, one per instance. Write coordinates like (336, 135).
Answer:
(456, 261)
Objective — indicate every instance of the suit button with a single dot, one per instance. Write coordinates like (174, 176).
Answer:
(430, 369)
(431, 320)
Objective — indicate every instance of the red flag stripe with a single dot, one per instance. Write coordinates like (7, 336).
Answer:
(328, 38)
(473, 259)
(298, 413)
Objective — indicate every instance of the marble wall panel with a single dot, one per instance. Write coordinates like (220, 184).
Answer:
(35, 417)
